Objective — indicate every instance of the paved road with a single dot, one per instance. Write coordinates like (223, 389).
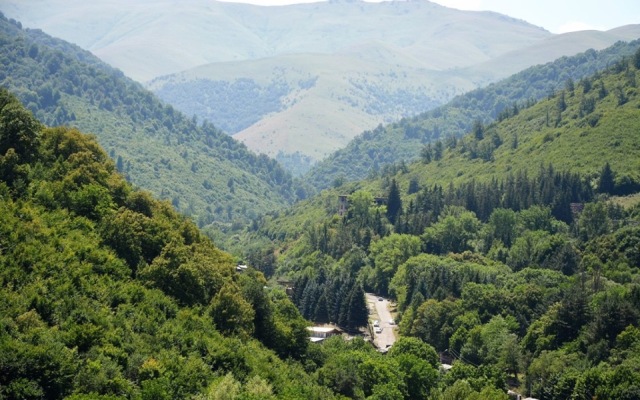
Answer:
(380, 310)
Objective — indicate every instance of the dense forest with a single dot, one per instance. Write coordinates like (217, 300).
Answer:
(202, 171)
(523, 270)
(232, 106)
(511, 253)
(372, 151)
(108, 293)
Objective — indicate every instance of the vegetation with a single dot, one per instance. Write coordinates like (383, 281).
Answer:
(510, 254)
(232, 106)
(203, 172)
(371, 153)
(520, 270)
(109, 293)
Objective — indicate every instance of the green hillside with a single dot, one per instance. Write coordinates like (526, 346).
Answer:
(107, 293)
(506, 254)
(314, 104)
(369, 153)
(510, 250)
(307, 103)
(580, 128)
(300, 81)
(202, 171)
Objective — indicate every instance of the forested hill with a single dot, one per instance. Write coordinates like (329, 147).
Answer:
(369, 153)
(107, 293)
(578, 129)
(202, 171)
(511, 251)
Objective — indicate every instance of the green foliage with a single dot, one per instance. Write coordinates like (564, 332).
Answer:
(417, 348)
(511, 261)
(453, 233)
(394, 203)
(108, 293)
(239, 104)
(387, 254)
(405, 140)
(157, 147)
(231, 313)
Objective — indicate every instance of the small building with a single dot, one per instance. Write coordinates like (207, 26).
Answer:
(445, 367)
(320, 333)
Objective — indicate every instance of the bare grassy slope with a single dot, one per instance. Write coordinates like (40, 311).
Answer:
(150, 38)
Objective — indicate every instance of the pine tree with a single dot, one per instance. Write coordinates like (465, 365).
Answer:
(478, 130)
(438, 149)
(321, 312)
(394, 202)
(120, 164)
(358, 313)
(606, 183)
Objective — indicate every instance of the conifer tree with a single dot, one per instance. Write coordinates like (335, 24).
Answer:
(358, 313)
(606, 183)
(394, 202)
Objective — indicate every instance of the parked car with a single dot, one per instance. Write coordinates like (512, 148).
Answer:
(378, 330)
(392, 322)
(376, 323)
(380, 299)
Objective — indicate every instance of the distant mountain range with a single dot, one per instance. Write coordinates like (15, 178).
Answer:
(298, 82)
(148, 38)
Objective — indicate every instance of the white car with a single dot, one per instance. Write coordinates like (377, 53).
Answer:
(376, 323)
(378, 330)
(392, 322)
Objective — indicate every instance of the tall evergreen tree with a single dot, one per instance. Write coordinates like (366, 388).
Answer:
(606, 183)
(358, 313)
(478, 129)
(394, 202)
(321, 311)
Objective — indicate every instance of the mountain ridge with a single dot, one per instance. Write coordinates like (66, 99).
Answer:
(203, 171)
(259, 31)
(355, 90)
(374, 63)
(371, 151)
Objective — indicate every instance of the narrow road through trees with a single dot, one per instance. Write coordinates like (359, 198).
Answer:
(379, 310)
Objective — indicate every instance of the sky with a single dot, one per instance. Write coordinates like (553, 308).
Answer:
(557, 16)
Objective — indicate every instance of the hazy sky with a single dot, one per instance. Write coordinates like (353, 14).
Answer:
(557, 16)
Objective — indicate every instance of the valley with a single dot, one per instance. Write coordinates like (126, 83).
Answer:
(462, 186)
(298, 92)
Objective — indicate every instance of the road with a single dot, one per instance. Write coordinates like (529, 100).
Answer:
(380, 310)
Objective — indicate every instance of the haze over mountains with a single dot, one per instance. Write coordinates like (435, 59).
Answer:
(299, 82)
(504, 225)
(147, 39)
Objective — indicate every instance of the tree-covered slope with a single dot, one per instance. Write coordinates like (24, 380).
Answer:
(202, 171)
(508, 251)
(314, 104)
(108, 293)
(311, 104)
(367, 154)
(580, 128)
